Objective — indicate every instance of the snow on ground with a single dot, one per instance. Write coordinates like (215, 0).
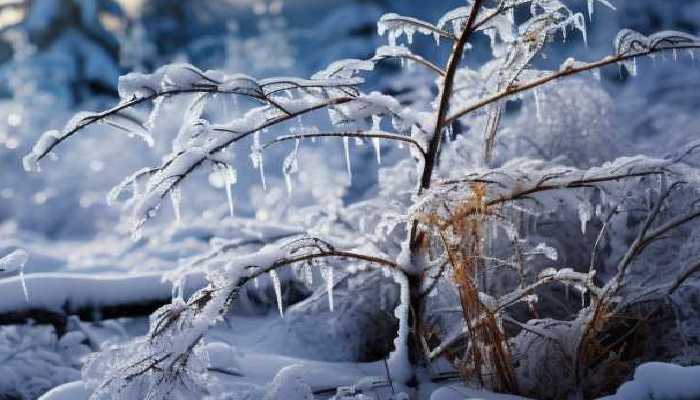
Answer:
(251, 346)
(252, 353)
(661, 381)
(459, 392)
(68, 391)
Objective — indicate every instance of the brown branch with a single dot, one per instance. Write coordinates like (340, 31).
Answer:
(321, 255)
(558, 75)
(433, 151)
(539, 188)
(446, 94)
(588, 182)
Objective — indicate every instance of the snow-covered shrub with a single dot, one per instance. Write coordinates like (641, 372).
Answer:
(458, 227)
(35, 359)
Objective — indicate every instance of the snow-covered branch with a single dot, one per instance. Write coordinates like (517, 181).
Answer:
(655, 45)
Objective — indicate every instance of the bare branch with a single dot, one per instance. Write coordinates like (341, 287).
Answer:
(694, 269)
(322, 254)
(644, 237)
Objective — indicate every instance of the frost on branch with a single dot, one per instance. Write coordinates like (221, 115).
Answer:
(395, 26)
(630, 44)
(200, 142)
(123, 120)
(175, 80)
(475, 236)
(171, 352)
(170, 362)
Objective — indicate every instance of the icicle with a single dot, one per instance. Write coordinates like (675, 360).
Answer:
(585, 213)
(377, 149)
(291, 166)
(15, 262)
(257, 158)
(25, 289)
(538, 109)
(327, 274)
(631, 66)
(178, 289)
(278, 290)
(175, 199)
(155, 112)
(346, 148)
(230, 178)
(376, 128)
(300, 121)
(308, 275)
(580, 24)
(398, 359)
(590, 9)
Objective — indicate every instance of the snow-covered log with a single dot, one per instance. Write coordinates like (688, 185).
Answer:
(55, 296)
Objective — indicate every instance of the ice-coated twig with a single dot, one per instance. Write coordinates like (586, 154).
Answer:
(572, 70)
(441, 120)
(357, 134)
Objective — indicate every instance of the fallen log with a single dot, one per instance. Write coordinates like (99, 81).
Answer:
(52, 297)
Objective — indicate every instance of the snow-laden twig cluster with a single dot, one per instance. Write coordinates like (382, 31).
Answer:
(439, 224)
